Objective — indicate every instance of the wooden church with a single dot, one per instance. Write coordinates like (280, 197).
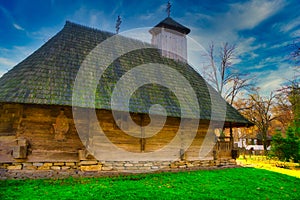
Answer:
(37, 126)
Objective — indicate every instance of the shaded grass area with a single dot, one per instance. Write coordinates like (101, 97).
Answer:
(234, 183)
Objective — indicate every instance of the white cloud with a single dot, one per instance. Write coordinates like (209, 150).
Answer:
(23, 50)
(224, 27)
(269, 60)
(18, 27)
(271, 83)
(274, 79)
(10, 18)
(117, 8)
(147, 16)
(151, 15)
(10, 57)
(253, 55)
(92, 18)
(199, 17)
(7, 62)
(246, 45)
(249, 14)
(289, 26)
(295, 33)
(256, 67)
(266, 62)
(43, 34)
(141, 34)
(280, 45)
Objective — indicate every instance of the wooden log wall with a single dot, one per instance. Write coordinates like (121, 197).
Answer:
(36, 123)
(113, 130)
(9, 118)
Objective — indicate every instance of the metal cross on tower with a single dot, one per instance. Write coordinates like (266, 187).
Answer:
(118, 23)
(168, 8)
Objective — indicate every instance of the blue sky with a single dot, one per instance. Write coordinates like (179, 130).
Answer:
(261, 29)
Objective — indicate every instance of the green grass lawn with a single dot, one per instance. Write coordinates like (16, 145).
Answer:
(234, 183)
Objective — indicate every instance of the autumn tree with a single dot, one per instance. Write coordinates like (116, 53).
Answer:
(282, 111)
(258, 110)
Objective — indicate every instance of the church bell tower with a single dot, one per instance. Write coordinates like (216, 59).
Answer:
(170, 37)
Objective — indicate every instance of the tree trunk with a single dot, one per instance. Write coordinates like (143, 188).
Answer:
(264, 137)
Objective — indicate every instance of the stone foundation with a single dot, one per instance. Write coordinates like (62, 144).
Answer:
(19, 170)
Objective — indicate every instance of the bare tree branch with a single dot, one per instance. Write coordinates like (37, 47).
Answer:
(295, 50)
(228, 82)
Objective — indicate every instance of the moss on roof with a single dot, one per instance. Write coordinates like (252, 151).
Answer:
(47, 77)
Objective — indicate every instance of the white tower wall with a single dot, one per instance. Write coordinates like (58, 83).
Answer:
(172, 44)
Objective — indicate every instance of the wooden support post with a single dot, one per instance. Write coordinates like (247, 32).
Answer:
(142, 140)
(231, 136)
(234, 152)
(89, 134)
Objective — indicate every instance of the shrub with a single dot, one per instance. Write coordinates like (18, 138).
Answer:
(287, 148)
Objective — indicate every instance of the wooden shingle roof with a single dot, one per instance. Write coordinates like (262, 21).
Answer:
(170, 23)
(47, 77)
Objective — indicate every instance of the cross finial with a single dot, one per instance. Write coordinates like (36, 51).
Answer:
(168, 8)
(118, 23)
